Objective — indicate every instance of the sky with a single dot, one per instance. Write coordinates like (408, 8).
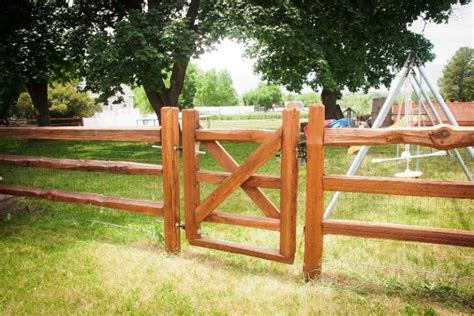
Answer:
(446, 38)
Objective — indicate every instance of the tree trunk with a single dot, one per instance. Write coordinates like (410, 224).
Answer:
(38, 91)
(9, 99)
(332, 110)
(167, 96)
(159, 100)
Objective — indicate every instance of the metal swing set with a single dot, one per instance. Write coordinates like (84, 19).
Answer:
(411, 77)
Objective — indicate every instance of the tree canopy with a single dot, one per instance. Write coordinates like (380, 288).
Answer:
(457, 82)
(336, 45)
(34, 50)
(151, 46)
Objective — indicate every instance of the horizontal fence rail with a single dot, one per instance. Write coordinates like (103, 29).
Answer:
(261, 181)
(251, 136)
(399, 232)
(120, 167)
(126, 204)
(244, 220)
(396, 186)
(83, 133)
(442, 137)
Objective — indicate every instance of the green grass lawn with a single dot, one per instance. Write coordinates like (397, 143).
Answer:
(58, 258)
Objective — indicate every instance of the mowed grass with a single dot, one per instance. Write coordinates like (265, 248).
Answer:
(58, 258)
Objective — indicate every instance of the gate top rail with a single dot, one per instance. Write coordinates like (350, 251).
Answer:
(441, 137)
(135, 134)
(242, 135)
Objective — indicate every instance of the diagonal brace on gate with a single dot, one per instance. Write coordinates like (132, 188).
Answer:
(227, 161)
(257, 159)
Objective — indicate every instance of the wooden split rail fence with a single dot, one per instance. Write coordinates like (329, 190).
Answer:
(280, 218)
(168, 135)
(440, 137)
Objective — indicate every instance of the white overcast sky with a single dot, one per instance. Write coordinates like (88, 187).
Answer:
(446, 38)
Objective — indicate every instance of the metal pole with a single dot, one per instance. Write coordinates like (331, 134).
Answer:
(394, 90)
(418, 94)
(432, 108)
(442, 104)
(458, 156)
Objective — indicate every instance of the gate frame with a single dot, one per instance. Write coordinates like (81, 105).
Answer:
(286, 138)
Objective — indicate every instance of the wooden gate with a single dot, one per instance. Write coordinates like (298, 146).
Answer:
(242, 176)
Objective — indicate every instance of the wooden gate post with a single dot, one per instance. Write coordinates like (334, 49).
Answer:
(170, 161)
(289, 182)
(313, 248)
(190, 169)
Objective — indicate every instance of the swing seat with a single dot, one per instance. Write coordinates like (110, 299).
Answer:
(408, 174)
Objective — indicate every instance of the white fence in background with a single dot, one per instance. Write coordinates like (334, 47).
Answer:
(128, 117)
(224, 110)
(120, 118)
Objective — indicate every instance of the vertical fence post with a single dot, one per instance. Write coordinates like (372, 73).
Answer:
(190, 169)
(289, 183)
(313, 248)
(170, 160)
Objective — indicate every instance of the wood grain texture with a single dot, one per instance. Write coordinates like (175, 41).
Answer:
(133, 205)
(254, 251)
(251, 136)
(244, 220)
(442, 137)
(239, 176)
(289, 182)
(217, 177)
(83, 133)
(313, 235)
(120, 167)
(399, 232)
(170, 157)
(396, 186)
(255, 194)
(190, 169)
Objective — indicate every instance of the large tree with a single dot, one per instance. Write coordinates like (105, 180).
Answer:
(151, 46)
(336, 45)
(44, 41)
(457, 82)
(33, 51)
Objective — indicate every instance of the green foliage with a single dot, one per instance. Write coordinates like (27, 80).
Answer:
(152, 48)
(200, 88)
(141, 100)
(214, 88)
(186, 98)
(35, 43)
(457, 82)
(64, 101)
(336, 45)
(264, 96)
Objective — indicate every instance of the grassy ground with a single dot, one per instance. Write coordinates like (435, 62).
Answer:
(58, 258)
